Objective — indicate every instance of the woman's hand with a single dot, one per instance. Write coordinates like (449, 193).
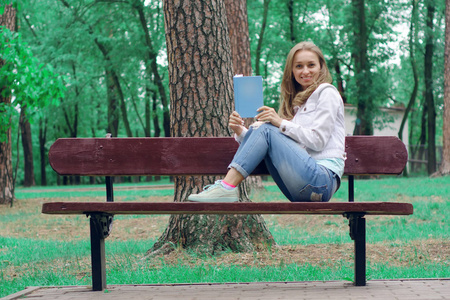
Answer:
(268, 114)
(236, 123)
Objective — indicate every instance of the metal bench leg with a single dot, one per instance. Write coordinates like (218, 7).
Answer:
(100, 226)
(357, 224)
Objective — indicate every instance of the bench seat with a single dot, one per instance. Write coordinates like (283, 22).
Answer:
(148, 208)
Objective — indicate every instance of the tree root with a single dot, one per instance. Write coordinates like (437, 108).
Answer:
(165, 249)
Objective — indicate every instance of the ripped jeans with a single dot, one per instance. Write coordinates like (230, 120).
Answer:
(297, 175)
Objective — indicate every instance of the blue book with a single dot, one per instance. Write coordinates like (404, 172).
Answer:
(248, 95)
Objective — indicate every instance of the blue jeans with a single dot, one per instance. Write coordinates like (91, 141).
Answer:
(297, 175)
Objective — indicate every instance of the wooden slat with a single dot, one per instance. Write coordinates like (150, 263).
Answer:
(375, 155)
(142, 156)
(321, 208)
(200, 156)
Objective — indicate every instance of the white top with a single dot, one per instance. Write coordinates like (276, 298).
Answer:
(318, 126)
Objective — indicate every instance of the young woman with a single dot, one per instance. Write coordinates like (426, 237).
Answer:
(303, 145)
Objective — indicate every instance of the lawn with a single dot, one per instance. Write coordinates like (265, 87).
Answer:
(48, 250)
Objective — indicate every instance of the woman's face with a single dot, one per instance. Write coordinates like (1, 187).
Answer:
(306, 68)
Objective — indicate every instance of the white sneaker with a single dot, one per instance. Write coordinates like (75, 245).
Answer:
(215, 193)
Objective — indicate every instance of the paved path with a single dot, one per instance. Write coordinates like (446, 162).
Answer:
(376, 289)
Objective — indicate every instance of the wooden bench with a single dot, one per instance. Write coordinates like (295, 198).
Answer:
(108, 157)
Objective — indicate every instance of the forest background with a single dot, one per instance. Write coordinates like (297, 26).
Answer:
(86, 68)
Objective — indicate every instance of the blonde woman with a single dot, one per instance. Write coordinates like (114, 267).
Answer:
(303, 145)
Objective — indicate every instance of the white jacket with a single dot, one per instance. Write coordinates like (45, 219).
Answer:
(319, 125)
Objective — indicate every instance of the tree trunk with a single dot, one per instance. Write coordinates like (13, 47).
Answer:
(423, 130)
(152, 67)
(148, 112)
(155, 117)
(290, 7)
(444, 168)
(8, 19)
(261, 37)
(201, 93)
(239, 36)
(115, 90)
(364, 114)
(431, 116)
(72, 123)
(113, 110)
(6, 175)
(340, 81)
(117, 100)
(412, 99)
(27, 149)
(113, 80)
(43, 150)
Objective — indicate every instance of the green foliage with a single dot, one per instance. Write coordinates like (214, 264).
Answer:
(67, 38)
(32, 84)
(29, 83)
(6, 111)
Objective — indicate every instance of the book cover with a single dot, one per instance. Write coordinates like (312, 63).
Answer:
(248, 95)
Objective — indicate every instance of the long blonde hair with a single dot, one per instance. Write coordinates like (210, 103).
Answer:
(292, 93)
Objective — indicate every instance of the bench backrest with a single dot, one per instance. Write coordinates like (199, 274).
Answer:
(366, 155)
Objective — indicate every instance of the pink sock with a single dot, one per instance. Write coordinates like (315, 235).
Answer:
(227, 186)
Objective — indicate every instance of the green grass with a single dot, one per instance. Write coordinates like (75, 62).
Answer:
(221, 274)
(71, 195)
(78, 191)
(26, 261)
(208, 273)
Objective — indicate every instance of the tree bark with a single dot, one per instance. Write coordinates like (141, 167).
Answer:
(148, 112)
(261, 37)
(239, 36)
(444, 168)
(431, 116)
(290, 7)
(412, 99)
(155, 117)
(340, 81)
(363, 124)
(8, 19)
(201, 94)
(27, 147)
(335, 62)
(113, 103)
(43, 150)
(423, 130)
(115, 90)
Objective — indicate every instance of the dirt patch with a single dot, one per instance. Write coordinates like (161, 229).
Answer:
(401, 255)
